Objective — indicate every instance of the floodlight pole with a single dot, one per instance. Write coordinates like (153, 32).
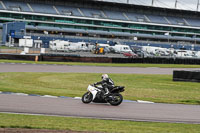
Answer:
(127, 1)
(176, 4)
(195, 41)
(198, 6)
(152, 3)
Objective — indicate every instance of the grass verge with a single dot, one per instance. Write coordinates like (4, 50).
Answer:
(156, 88)
(82, 124)
(6, 47)
(106, 64)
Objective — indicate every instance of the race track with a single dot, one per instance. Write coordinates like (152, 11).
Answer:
(175, 113)
(9, 67)
(156, 112)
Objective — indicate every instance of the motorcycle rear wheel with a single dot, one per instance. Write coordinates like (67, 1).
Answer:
(87, 97)
(116, 99)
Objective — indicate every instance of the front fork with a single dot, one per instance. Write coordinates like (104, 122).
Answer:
(88, 93)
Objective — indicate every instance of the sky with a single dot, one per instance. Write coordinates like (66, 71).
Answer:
(181, 4)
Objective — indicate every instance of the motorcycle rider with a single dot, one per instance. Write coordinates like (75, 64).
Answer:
(107, 84)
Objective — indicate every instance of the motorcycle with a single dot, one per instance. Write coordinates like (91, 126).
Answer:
(96, 94)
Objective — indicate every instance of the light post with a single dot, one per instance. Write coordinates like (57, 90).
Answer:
(167, 34)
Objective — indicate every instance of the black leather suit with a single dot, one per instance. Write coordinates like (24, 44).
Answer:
(107, 84)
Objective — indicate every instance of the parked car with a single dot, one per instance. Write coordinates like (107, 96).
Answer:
(130, 55)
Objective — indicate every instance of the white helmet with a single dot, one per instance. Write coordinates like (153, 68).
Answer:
(104, 76)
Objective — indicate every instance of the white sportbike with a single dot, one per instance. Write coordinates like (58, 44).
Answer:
(96, 94)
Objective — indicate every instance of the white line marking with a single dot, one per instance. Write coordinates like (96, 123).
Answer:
(49, 96)
(77, 98)
(20, 94)
(140, 101)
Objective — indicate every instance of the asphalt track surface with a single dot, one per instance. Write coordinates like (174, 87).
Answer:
(156, 112)
(175, 113)
(12, 67)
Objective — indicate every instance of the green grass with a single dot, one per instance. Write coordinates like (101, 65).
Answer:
(81, 124)
(156, 88)
(6, 47)
(107, 64)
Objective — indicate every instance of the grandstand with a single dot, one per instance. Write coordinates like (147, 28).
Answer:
(99, 20)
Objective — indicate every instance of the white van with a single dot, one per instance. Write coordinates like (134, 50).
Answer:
(198, 54)
(121, 48)
(77, 46)
(58, 45)
(184, 53)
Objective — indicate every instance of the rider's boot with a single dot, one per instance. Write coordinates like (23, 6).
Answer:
(107, 92)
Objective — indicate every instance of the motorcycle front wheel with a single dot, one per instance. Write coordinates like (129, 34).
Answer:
(87, 97)
(116, 99)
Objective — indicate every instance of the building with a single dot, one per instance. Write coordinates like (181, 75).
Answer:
(89, 20)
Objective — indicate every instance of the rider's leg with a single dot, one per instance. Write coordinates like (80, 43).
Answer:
(106, 91)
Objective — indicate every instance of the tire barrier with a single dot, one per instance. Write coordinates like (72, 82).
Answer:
(74, 58)
(19, 57)
(158, 60)
(192, 76)
(99, 59)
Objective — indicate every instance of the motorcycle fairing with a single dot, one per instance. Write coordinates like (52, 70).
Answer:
(93, 90)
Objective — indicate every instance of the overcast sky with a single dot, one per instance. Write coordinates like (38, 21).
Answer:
(181, 4)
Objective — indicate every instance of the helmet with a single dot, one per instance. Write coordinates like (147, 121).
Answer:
(104, 76)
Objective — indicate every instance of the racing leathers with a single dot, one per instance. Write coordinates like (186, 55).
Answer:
(107, 85)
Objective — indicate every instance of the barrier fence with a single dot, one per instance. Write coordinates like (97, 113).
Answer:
(103, 59)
